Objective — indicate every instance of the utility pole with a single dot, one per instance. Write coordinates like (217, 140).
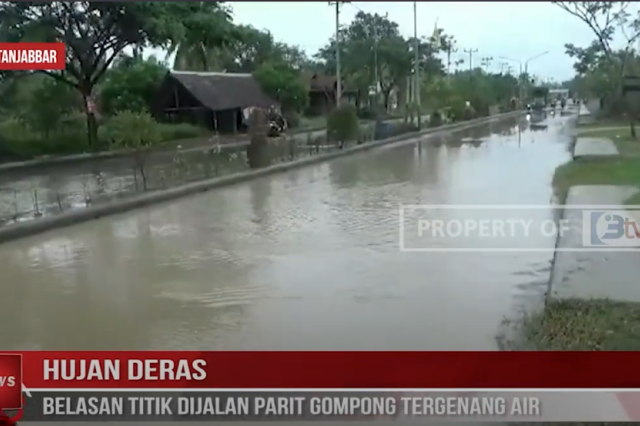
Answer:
(450, 50)
(338, 76)
(375, 61)
(417, 64)
(471, 52)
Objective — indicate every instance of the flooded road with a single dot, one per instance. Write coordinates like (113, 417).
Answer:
(305, 260)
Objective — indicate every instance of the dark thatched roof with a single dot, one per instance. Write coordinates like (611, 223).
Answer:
(223, 91)
(318, 82)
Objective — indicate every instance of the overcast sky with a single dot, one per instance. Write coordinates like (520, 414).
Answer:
(496, 29)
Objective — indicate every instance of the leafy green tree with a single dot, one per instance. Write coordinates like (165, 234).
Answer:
(284, 83)
(131, 84)
(48, 103)
(208, 25)
(244, 53)
(600, 64)
(371, 46)
(96, 32)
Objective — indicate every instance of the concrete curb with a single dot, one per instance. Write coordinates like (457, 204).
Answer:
(37, 226)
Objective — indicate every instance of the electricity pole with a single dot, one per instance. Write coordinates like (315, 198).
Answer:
(376, 36)
(471, 52)
(338, 77)
(450, 49)
(417, 60)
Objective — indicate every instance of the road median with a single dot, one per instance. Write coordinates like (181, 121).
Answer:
(72, 217)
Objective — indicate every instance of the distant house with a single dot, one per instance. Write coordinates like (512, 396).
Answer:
(322, 93)
(213, 100)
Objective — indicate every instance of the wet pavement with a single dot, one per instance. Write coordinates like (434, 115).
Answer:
(305, 260)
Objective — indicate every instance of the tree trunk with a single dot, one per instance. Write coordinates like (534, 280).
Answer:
(90, 111)
(385, 95)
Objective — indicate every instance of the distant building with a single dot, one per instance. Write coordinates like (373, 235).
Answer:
(212, 100)
(323, 92)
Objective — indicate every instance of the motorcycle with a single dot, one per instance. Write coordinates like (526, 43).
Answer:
(277, 125)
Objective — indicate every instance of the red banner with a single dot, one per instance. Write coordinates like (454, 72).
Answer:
(32, 56)
(315, 370)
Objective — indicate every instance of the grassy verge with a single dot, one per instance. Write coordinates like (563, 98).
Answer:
(584, 325)
(617, 170)
(590, 325)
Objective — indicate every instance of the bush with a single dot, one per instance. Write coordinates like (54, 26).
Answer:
(174, 132)
(469, 113)
(457, 110)
(435, 120)
(367, 113)
(128, 129)
(293, 119)
(18, 141)
(480, 107)
(342, 124)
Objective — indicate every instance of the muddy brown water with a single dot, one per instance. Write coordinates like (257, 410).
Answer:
(307, 260)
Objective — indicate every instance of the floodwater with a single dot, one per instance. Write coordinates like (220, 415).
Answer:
(307, 260)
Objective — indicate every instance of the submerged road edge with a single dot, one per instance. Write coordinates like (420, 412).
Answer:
(74, 217)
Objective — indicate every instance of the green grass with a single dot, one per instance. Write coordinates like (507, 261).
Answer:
(617, 170)
(584, 325)
(604, 122)
(312, 122)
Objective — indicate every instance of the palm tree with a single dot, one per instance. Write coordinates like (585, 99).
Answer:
(193, 50)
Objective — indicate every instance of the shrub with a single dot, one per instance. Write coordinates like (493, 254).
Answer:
(174, 132)
(457, 110)
(293, 119)
(16, 140)
(20, 142)
(128, 129)
(480, 107)
(469, 113)
(342, 124)
(435, 120)
(135, 130)
(367, 113)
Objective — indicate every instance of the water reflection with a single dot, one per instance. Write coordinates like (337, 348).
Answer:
(304, 260)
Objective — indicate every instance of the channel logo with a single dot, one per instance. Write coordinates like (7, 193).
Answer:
(12, 399)
(611, 228)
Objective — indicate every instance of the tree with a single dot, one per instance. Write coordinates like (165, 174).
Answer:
(95, 33)
(209, 26)
(371, 46)
(600, 61)
(47, 104)
(284, 83)
(131, 84)
(244, 53)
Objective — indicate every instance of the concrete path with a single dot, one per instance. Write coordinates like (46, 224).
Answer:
(594, 147)
(594, 274)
